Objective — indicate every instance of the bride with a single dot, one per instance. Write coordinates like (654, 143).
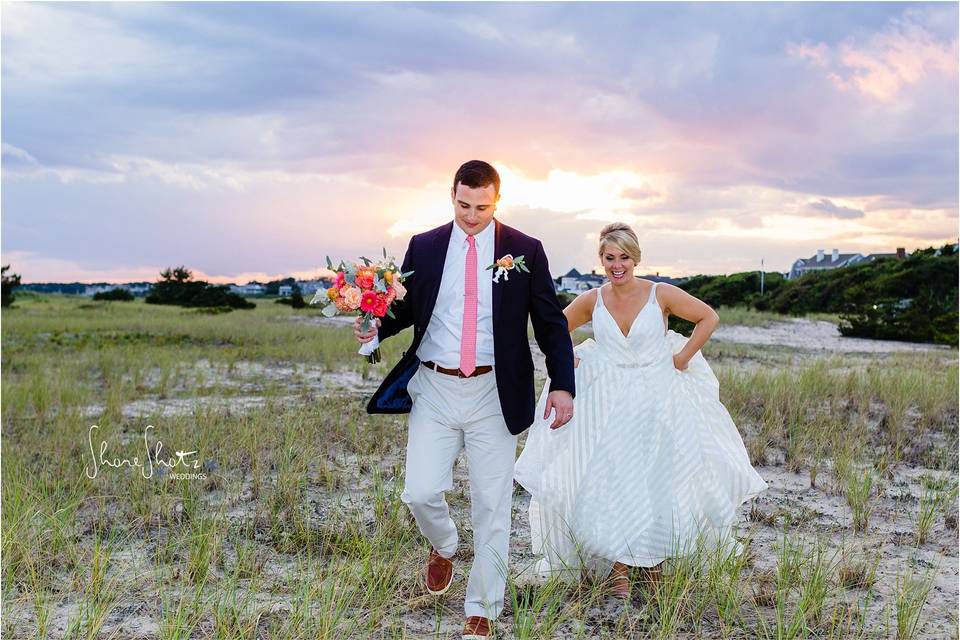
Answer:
(651, 461)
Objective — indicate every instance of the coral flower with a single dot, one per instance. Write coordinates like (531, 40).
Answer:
(368, 301)
(364, 279)
(339, 282)
(506, 262)
(380, 309)
(391, 295)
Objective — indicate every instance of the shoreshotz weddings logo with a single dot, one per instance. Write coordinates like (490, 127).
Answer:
(165, 466)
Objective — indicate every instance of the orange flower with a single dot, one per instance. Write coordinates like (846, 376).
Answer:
(388, 277)
(333, 293)
(364, 278)
(506, 262)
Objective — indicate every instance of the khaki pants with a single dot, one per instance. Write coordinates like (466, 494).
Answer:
(450, 414)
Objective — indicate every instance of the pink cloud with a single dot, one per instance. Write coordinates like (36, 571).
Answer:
(902, 55)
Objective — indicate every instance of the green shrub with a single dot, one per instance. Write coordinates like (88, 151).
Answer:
(177, 287)
(117, 293)
(10, 283)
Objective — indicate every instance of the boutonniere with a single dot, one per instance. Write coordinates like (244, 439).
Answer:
(506, 264)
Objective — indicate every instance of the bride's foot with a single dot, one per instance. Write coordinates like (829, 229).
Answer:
(620, 581)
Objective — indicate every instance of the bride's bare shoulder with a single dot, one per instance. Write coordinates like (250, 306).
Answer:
(586, 300)
(580, 310)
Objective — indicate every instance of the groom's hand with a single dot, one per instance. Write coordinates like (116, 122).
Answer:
(361, 336)
(562, 403)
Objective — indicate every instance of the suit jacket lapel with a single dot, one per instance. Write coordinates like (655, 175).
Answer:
(436, 260)
(498, 251)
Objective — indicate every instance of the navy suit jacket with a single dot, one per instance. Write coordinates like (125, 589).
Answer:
(525, 295)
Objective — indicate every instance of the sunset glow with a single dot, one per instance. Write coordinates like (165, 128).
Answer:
(250, 140)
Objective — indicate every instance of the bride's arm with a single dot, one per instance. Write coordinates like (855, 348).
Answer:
(680, 303)
(580, 312)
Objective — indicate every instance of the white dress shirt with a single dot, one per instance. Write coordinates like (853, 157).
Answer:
(441, 342)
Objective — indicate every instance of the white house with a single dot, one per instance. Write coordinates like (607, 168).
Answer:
(285, 290)
(100, 288)
(251, 289)
(835, 260)
(939, 252)
(575, 282)
(135, 289)
(821, 262)
(309, 287)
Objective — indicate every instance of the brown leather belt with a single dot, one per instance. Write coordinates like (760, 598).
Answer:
(479, 371)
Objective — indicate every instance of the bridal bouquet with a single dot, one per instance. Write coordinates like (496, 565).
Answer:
(368, 288)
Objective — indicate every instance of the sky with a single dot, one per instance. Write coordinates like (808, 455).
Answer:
(250, 140)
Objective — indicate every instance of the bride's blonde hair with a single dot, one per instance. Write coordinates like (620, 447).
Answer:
(622, 237)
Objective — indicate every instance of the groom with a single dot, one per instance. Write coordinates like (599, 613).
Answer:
(467, 379)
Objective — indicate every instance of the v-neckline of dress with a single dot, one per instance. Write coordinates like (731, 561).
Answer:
(626, 336)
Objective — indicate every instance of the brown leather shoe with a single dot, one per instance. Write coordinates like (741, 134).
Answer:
(620, 581)
(439, 573)
(476, 628)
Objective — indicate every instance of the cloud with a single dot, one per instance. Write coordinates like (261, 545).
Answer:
(15, 156)
(18, 164)
(258, 139)
(883, 64)
(823, 206)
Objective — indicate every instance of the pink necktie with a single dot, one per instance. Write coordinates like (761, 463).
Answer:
(468, 336)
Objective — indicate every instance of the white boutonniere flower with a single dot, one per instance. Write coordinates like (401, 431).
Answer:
(506, 264)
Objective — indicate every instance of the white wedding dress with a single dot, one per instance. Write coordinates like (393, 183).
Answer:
(650, 459)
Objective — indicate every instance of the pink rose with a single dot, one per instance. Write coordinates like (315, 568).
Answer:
(399, 289)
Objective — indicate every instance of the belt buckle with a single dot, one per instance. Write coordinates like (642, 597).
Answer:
(460, 373)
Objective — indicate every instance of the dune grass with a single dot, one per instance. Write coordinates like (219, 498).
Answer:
(296, 528)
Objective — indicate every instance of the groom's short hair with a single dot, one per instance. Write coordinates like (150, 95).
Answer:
(477, 174)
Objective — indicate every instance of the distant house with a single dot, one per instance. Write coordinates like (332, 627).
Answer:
(250, 289)
(900, 255)
(939, 252)
(821, 262)
(285, 290)
(135, 289)
(91, 290)
(311, 286)
(575, 282)
(835, 260)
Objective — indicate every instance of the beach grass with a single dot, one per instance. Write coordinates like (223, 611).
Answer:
(291, 523)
